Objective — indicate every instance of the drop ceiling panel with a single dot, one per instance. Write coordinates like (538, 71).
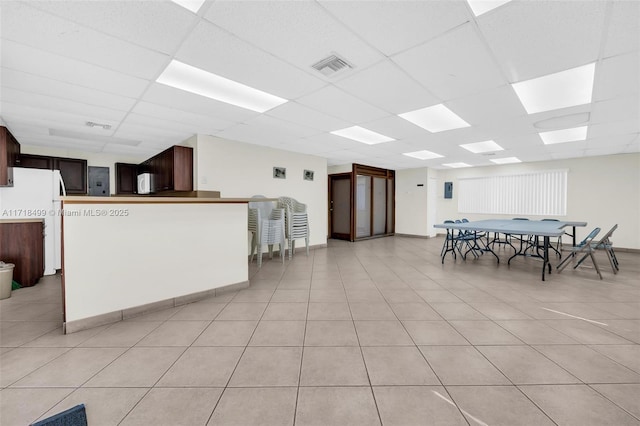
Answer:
(388, 87)
(48, 103)
(68, 39)
(150, 135)
(301, 32)
(43, 114)
(164, 22)
(175, 98)
(534, 38)
(41, 63)
(613, 128)
(328, 142)
(454, 65)
(215, 50)
(623, 33)
(138, 151)
(493, 106)
(618, 109)
(397, 128)
(52, 88)
(617, 76)
(172, 115)
(296, 113)
(619, 141)
(334, 102)
(377, 21)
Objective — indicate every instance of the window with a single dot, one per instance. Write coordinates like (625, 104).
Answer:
(536, 193)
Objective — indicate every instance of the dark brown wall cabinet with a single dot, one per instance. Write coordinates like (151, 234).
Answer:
(9, 153)
(22, 243)
(72, 170)
(172, 169)
(126, 178)
(74, 174)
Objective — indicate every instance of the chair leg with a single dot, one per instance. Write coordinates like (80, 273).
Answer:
(253, 245)
(306, 241)
(259, 255)
(595, 264)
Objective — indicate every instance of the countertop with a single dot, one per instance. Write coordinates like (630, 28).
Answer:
(157, 200)
(18, 220)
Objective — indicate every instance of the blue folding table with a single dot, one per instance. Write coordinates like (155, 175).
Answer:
(540, 228)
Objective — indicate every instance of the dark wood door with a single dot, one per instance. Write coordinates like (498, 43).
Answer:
(74, 174)
(22, 243)
(126, 178)
(340, 201)
(35, 161)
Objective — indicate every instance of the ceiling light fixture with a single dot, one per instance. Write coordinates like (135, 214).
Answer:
(563, 121)
(480, 7)
(360, 134)
(203, 83)
(554, 91)
(93, 124)
(423, 155)
(192, 5)
(436, 118)
(457, 165)
(564, 135)
(507, 160)
(486, 146)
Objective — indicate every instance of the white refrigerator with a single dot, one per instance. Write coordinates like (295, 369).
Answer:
(35, 194)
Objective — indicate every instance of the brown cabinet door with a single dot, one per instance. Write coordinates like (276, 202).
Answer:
(182, 168)
(126, 178)
(35, 161)
(74, 174)
(22, 244)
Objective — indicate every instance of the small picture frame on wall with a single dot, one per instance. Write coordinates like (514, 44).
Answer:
(307, 175)
(279, 173)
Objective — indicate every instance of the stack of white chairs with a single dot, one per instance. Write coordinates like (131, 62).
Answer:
(267, 226)
(296, 222)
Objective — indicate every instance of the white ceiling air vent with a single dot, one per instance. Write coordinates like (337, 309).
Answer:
(332, 66)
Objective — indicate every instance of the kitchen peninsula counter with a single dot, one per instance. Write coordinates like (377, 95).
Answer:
(126, 255)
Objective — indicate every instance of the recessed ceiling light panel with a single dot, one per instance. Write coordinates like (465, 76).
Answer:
(192, 5)
(423, 155)
(486, 146)
(483, 6)
(507, 160)
(554, 91)
(360, 134)
(457, 165)
(436, 118)
(203, 83)
(564, 135)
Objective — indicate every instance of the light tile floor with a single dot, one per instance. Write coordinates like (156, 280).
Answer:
(362, 333)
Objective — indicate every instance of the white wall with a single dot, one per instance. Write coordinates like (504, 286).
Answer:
(342, 168)
(411, 202)
(238, 169)
(154, 253)
(97, 159)
(601, 191)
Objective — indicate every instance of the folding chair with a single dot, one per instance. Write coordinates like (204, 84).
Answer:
(584, 248)
(468, 239)
(606, 245)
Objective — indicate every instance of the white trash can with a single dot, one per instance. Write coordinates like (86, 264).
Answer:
(6, 279)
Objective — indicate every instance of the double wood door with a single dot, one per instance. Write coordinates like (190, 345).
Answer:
(362, 203)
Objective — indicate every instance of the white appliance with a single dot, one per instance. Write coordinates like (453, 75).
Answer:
(35, 194)
(145, 182)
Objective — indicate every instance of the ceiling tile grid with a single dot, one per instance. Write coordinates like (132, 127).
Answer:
(65, 63)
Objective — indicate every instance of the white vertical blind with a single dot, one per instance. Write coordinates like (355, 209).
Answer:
(535, 193)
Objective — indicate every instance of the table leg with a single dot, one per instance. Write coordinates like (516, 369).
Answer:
(546, 262)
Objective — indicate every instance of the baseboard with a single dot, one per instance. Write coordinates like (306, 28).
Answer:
(626, 250)
(425, 237)
(135, 311)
